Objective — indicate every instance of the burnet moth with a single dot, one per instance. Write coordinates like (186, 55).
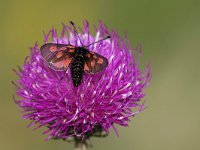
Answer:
(79, 59)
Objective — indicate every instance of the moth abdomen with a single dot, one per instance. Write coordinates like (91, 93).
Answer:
(77, 70)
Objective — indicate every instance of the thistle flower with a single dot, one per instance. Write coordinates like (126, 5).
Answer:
(48, 97)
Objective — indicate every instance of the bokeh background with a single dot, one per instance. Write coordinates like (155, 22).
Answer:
(169, 31)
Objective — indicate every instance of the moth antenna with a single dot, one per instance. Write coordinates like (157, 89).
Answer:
(107, 37)
(76, 32)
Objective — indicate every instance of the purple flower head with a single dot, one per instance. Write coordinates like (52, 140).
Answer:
(48, 97)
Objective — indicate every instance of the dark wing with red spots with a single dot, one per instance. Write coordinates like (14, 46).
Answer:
(58, 56)
(94, 62)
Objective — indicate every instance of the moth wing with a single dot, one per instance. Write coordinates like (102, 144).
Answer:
(60, 64)
(94, 62)
(58, 56)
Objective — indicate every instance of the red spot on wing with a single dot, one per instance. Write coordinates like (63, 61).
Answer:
(71, 50)
(86, 68)
(95, 57)
(92, 63)
(67, 62)
(53, 48)
(63, 48)
(59, 54)
(88, 55)
(100, 61)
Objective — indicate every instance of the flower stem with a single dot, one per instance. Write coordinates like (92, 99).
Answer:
(80, 146)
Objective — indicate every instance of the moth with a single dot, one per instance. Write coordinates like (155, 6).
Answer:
(78, 59)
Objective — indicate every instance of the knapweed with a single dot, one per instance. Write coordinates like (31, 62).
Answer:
(48, 97)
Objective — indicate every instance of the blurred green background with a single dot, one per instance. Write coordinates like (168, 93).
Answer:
(169, 31)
